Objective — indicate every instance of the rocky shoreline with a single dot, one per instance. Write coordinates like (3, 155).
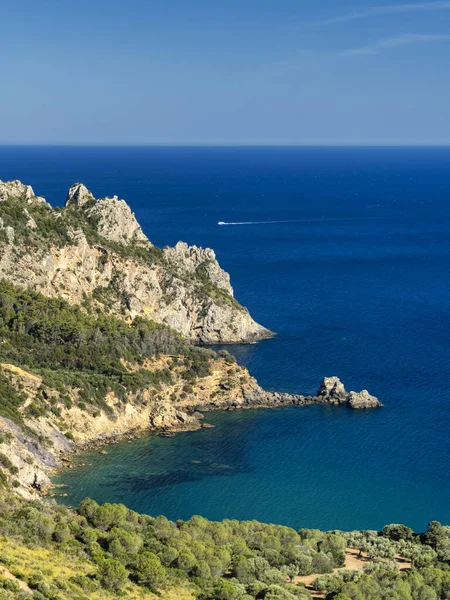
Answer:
(331, 392)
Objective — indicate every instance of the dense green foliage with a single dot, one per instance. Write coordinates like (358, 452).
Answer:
(228, 560)
(70, 347)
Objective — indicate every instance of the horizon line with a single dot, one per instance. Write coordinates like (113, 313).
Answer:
(226, 145)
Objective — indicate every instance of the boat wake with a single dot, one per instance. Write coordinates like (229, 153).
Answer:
(253, 222)
(318, 220)
(266, 222)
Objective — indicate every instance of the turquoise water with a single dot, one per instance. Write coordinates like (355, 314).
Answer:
(355, 284)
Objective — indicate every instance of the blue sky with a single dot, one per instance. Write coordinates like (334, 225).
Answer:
(215, 72)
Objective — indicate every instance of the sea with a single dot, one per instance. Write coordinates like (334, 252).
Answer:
(344, 252)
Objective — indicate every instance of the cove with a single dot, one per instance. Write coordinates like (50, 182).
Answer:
(275, 465)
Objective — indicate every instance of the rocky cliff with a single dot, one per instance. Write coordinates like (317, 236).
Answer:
(94, 253)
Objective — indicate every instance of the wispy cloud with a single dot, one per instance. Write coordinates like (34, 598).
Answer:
(397, 41)
(375, 11)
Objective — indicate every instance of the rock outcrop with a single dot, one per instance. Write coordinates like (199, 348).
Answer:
(17, 189)
(116, 223)
(78, 195)
(332, 391)
(191, 261)
(94, 253)
(362, 400)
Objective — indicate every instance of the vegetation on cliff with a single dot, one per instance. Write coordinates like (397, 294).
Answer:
(69, 347)
(94, 253)
(69, 376)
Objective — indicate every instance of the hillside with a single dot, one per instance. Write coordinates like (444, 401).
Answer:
(97, 334)
(105, 552)
(70, 378)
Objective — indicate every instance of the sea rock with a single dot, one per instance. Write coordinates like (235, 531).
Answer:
(362, 400)
(332, 390)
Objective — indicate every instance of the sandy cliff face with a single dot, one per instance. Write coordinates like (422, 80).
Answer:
(95, 252)
(39, 444)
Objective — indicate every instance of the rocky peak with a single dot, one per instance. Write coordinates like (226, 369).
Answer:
(113, 217)
(116, 223)
(192, 260)
(78, 195)
(17, 189)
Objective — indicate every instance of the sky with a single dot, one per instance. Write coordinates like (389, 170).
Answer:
(224, 72)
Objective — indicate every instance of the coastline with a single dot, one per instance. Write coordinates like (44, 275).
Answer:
(268, 400)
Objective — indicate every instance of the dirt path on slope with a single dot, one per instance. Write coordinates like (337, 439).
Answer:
(353, 562)
(4, 572)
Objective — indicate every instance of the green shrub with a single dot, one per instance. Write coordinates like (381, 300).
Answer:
(6, 462)
(113, 574)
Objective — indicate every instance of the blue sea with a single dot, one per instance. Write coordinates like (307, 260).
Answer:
(348, 262)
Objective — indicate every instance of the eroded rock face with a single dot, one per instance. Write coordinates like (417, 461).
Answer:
(116, 223)
(183, 287)
(78, 195)
(332, 390)
(9, 232)
(362, 400)
(17, 189)
(114, 220)
(187, 260)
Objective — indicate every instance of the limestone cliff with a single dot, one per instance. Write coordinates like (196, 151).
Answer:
(94, 253)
